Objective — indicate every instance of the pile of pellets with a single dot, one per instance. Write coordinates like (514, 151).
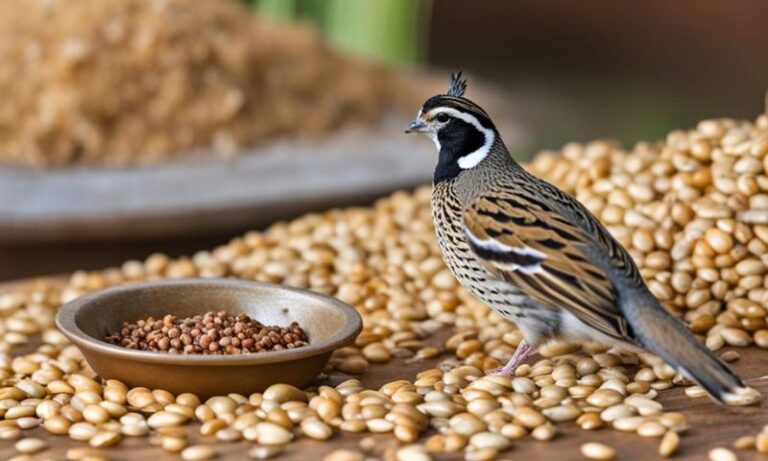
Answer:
(693, 211)
(212, 333)
(117, 82)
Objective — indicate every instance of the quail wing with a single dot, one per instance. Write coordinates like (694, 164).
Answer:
(540, 251)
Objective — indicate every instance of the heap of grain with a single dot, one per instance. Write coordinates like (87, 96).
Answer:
(136, 81)
(692, 210)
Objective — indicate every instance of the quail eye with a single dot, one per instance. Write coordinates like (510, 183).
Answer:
(442, 117)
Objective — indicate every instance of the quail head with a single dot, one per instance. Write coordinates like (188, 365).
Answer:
(539, 258)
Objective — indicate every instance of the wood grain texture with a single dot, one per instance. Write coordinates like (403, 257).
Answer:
(710, 425)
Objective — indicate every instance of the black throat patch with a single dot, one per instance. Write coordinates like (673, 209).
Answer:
(457, 139)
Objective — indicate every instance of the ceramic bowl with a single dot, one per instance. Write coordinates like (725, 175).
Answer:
(329, 323)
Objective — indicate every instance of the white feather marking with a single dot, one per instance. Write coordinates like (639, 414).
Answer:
(432, 133)
(498, 247)
(433, 136)
(473, 158)
(575, 329)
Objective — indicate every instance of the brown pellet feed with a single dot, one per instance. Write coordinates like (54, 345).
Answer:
(212, 333)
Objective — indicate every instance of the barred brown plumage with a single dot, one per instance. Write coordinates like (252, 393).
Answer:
(540, 258)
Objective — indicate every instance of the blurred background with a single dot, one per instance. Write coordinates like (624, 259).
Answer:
(141, 126)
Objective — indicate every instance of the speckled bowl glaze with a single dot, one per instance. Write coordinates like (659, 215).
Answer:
(329, 323)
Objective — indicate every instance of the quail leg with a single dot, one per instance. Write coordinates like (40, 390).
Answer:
(522, 351)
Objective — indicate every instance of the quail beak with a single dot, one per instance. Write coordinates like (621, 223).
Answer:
(416, 126)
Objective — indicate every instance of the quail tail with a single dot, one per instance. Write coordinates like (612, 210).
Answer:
(667, 337)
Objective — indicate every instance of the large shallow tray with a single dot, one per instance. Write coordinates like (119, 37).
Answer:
(208, 193)
(203, 194)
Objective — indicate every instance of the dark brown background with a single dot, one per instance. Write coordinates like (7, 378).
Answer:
(628, 70)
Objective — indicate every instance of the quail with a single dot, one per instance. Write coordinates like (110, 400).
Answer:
(540, 259)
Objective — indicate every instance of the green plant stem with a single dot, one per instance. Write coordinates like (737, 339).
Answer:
(277, 9)
(388, 30)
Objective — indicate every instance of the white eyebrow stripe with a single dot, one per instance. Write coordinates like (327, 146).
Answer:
(473, 158)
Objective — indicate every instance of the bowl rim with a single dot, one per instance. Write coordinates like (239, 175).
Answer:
(65, 322)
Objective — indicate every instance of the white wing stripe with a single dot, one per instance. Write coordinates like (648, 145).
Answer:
(506, 252)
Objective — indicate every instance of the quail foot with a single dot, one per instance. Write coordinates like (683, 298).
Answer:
(539, 258)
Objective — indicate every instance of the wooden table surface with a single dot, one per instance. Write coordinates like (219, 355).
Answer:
(710, 425)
